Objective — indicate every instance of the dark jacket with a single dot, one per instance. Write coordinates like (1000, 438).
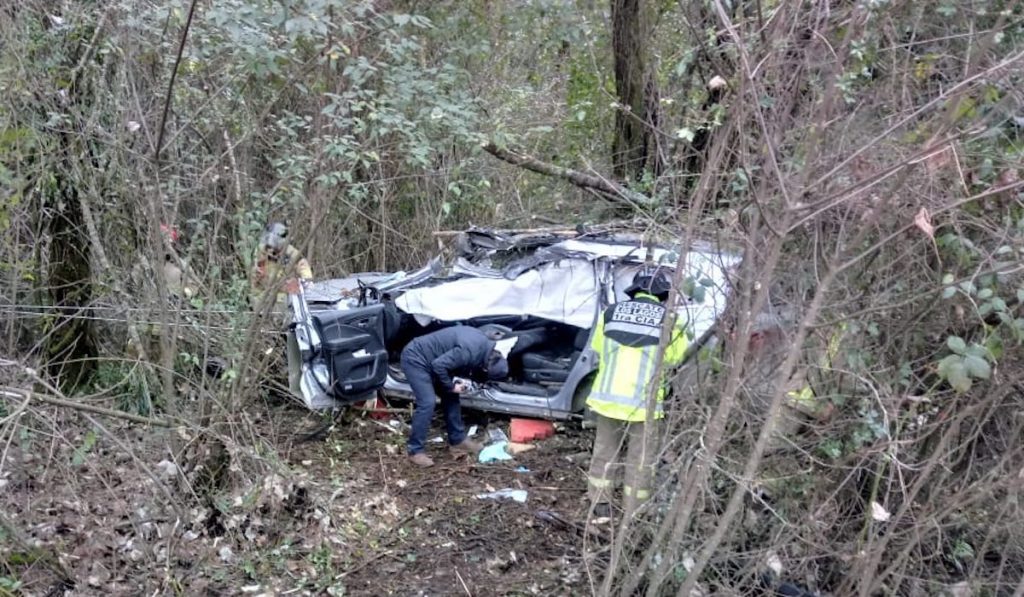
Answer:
(450, 352)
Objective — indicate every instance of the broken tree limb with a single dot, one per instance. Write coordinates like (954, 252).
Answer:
(560, 230)
(603, 185)
(563, 231)
(99, 410)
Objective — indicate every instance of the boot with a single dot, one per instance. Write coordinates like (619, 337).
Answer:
(467, 446)
(421, 460)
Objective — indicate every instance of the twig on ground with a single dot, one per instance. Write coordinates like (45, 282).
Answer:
(385, 426)
(383, 471)
(459, 576)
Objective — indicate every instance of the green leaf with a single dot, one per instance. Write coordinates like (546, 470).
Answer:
(956, 344)
(947, 279)
(977, 367)
(977, 350)
(963, 550)
(994, 343)
(948, 292)
(958, 378)
(832, 448)
(985, 293)
(944, 365)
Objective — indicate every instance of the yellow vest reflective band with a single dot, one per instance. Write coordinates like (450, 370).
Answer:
(626, 341)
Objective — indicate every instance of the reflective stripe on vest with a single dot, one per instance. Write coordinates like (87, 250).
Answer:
(629, 336)
(641, 494)
(624, 379)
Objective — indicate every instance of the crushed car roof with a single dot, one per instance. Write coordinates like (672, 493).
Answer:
(547, 275)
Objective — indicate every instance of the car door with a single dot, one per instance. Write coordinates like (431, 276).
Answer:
(339, 355)
(352, 349)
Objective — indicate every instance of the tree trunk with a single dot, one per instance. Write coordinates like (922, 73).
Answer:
(70, 347)
(634, 149)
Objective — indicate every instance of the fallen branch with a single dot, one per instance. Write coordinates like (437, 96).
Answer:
(560, 231)
(387, 427)
(98, 410)
(383, 410)
(603, 185)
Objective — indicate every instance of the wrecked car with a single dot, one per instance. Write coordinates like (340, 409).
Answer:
(544, 291)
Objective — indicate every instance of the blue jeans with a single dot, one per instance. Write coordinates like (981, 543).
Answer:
(426, 392)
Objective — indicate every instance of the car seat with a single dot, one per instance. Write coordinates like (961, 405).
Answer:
(552, 365)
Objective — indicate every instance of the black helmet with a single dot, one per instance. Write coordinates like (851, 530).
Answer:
(650, 281)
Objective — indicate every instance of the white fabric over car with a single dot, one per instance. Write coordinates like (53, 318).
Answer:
(566, 291)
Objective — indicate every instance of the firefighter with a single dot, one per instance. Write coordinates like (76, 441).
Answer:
(276, 266)
(279, 268)
(433, 365)
(626, 341)
(179, 280)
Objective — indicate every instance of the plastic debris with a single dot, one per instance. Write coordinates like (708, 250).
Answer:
(518, 495)
(524, 430)
(495, 434)
(522, 469)
(436, 440)
(472, 431)
(494, 452)
(517, 448)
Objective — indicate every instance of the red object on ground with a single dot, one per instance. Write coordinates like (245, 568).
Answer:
(524, 430)
(375, 407)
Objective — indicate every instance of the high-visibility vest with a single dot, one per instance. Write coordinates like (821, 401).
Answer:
(626, 341)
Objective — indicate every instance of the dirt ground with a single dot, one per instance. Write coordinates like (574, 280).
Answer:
(433, 537)
(91, 511)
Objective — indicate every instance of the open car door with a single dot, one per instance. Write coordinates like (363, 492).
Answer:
(341, 357)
